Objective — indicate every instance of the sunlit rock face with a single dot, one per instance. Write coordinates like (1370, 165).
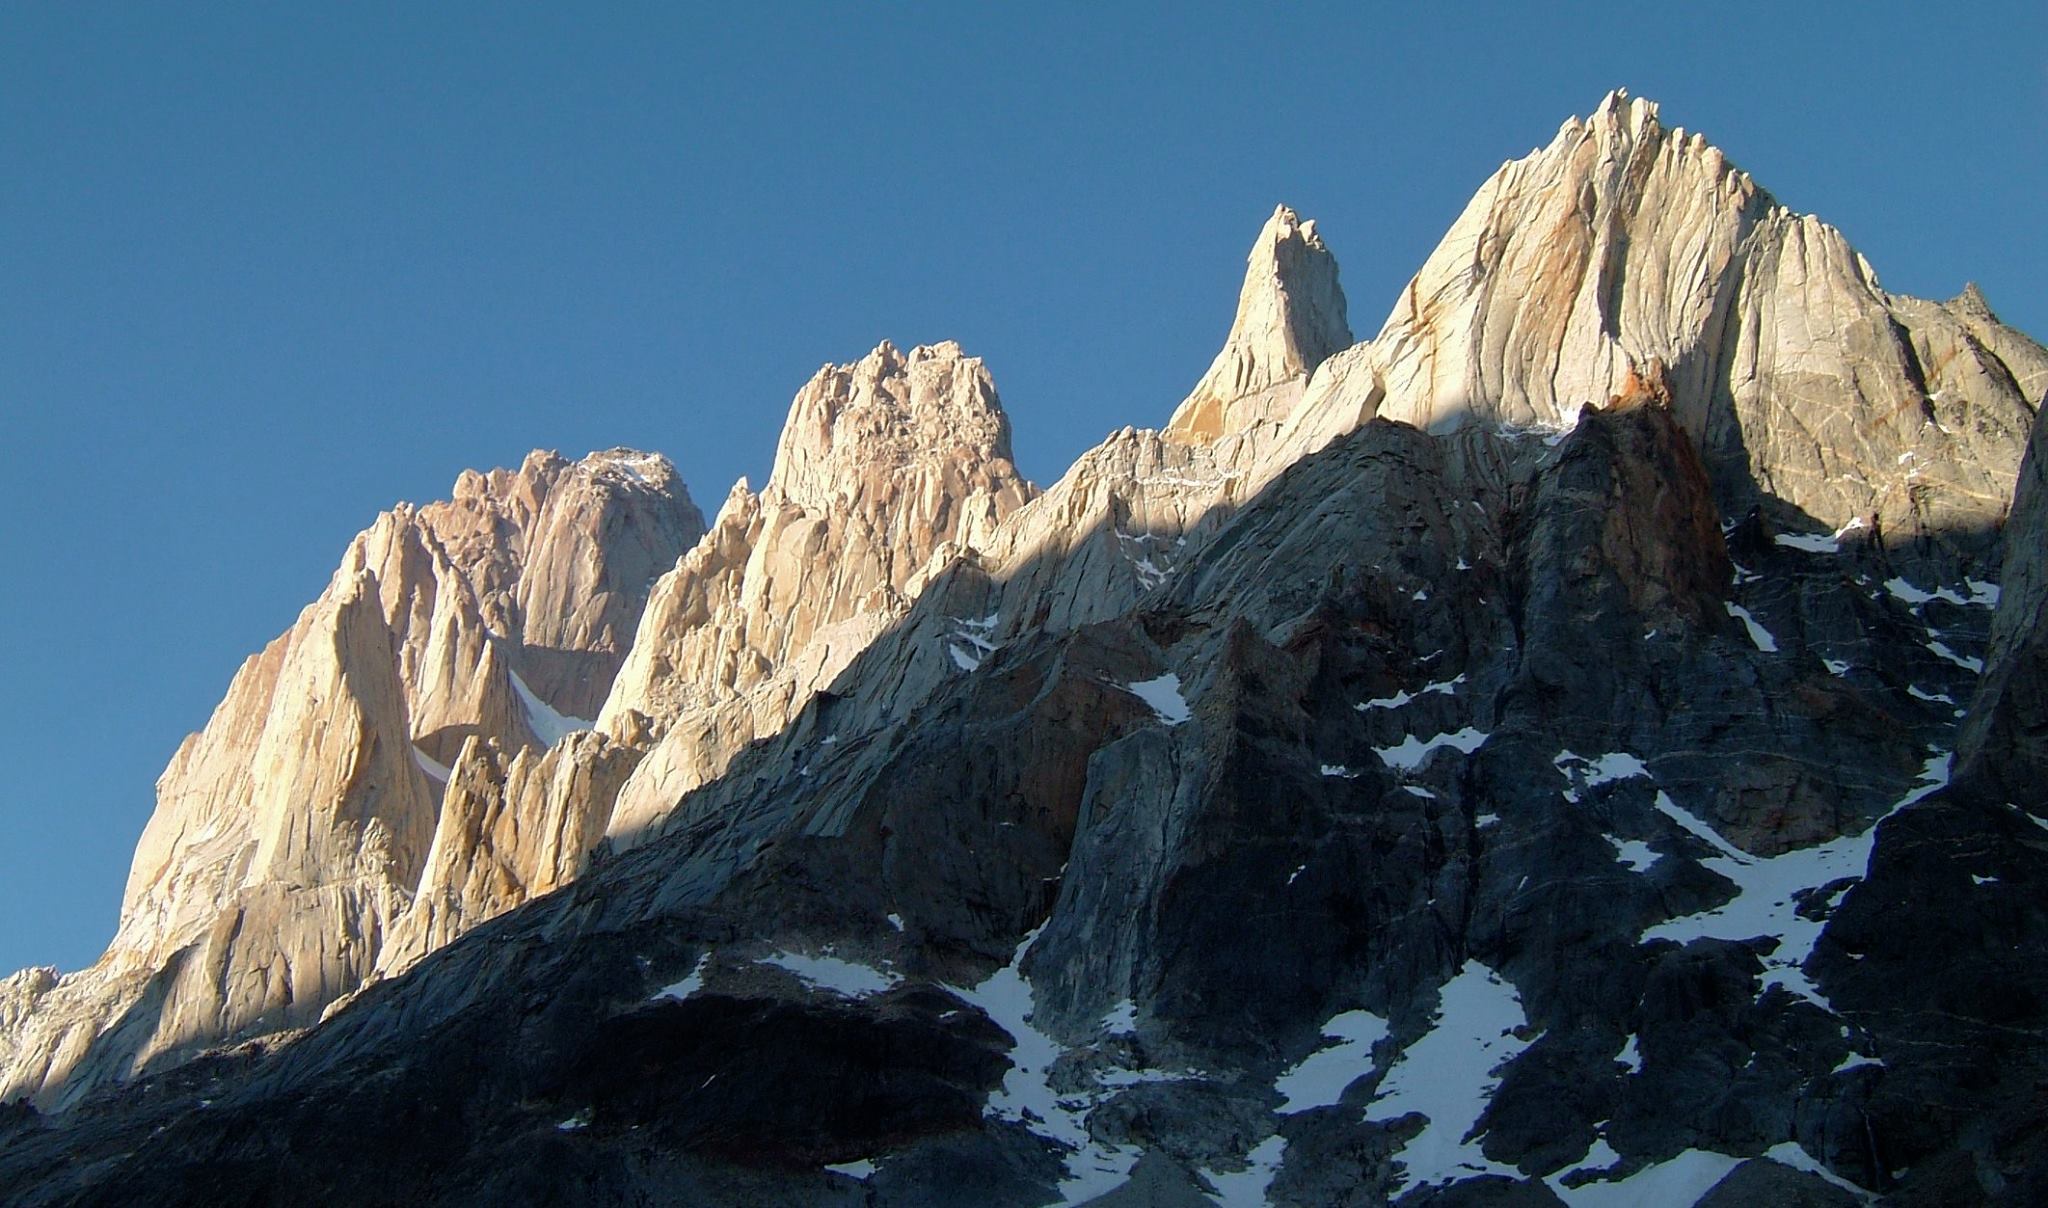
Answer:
(1290, 319)
(1626, 242)
(886, 467)
(1577, 747)
(292, 832)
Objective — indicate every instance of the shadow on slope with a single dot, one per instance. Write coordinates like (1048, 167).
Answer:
(1314, 837)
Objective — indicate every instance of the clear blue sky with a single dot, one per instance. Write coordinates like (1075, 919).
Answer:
(265, 270)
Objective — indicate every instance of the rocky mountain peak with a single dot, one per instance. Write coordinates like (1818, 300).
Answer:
(1618, 113)
(1290, 319)
(860, 435)
(884, 466)
(1625, 241)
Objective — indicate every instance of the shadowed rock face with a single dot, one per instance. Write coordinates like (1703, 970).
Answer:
(2005, 740)
(1502, 762)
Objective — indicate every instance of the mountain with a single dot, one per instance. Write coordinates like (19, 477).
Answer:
(291, 834)
(1573, 747)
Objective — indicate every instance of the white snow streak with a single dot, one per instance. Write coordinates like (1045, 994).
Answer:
(969, 643)
(1974, 666)
(1764, 904)
(1812, 543)
(1792, 1155)
(439, 771)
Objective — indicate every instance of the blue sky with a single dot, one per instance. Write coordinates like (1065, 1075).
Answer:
(265, 270)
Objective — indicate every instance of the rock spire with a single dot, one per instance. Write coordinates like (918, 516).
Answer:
(1290, 319)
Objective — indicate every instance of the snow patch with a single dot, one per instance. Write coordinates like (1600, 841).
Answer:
(1338, 769)
(1247, 1188)
(1027, 1096)
(1757, 633)
(1150, 574)
(1121, 1019)
(1599, 1156)
(1635, 853)
(1812, 543)
(1630, 1056)
(547, 725)
(1587, 773)
(1906, 593)
(1163, 694)
(1789, 1153)
(969, 643)
(1319, 1079)
(1972, 665)
(686, 987)
(1835, 666)
(1441, 687)
(1449, 1074)
(1677, 1183)
(841, 977)
(1412, 750)
(854, 1170)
